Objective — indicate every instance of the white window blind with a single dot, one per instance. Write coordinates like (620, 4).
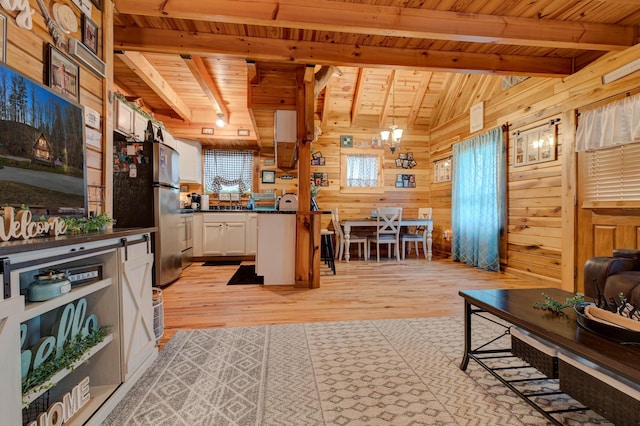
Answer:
(228, 171)
(613, 174)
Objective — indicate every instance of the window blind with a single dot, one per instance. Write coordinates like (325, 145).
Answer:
(228, 171)
(613, 174)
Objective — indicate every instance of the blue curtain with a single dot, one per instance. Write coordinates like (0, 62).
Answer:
(478, 200)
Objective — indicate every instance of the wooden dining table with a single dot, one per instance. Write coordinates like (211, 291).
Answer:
(371, 222)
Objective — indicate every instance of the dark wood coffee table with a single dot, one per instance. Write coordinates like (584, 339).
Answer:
(515, 306)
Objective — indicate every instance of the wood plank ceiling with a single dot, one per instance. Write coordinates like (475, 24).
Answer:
(189, 60)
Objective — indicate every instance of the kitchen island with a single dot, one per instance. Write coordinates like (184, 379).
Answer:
(276, 253)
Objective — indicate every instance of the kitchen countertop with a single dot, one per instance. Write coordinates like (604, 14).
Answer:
(244, 210)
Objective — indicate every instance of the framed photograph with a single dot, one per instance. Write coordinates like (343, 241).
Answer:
(535, 145)
(376, 142)
(268, 176)
(64, 74)
(346, 141)
(442, 170)
(3, 38)
(402, 156)
(399, 184)
(90, 33)
(398, 162)
(321, 161)
(409, 156)
(317, 155)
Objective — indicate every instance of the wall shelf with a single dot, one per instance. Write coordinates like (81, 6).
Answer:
(33, 309)
(33, 394)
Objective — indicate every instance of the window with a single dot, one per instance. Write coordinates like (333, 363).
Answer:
(361, 171)
(228, 171)
(612, 176)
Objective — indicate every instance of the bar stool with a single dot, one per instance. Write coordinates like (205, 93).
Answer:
(327, 253)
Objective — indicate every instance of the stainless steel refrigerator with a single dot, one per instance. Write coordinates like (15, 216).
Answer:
(146, 192)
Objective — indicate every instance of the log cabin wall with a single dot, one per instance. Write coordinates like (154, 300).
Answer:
(542, 230)
(26, 52)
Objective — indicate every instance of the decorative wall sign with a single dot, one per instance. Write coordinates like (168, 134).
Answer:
(92, 137)
(536, 145)
(87, 57)
(268, 176)
(346, 141)
(20, 226)
(405, 181)
(244, 132)
(63, 411)
(64, 74)
(442, 170)
(65, 18)
(476, 117)
(91, 117)
(24, 19)
(84, 6)
(207, 130)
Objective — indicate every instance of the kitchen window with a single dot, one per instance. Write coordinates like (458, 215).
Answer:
(228, 171)
(361, 171)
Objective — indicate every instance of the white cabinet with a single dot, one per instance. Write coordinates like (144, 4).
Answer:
(136, 266)
(224, 234)
(275, 259)
(190, 161)
(118, 297)
(139, 126)
(252, 233)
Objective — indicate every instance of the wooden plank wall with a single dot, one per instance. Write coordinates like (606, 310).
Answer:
(27, 53)
(542, 234)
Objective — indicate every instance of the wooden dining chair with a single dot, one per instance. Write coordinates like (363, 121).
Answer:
(387, 231)
(420, 234)
(358, 239)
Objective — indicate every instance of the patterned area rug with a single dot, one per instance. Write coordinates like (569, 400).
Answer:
(385, 372)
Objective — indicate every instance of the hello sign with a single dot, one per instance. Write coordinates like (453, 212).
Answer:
(24, 18)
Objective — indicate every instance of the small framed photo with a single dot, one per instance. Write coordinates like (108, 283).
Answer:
(268, 176)
(64, 74)
(399, 184)
(409, 156)
(398, 162)
(89, 33)
(317, 155)
(402, 156)
(346, 141)
(3, 38)
(321, 161)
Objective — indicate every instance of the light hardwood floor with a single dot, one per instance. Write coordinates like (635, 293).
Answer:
(359, 291)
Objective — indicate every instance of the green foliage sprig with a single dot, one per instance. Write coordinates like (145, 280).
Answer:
(550, 304)
(76, 225)
(73, 350)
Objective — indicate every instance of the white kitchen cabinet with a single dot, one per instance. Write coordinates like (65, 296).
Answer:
(119, 298)
(276, 254)
(190, 161)
(252, 233)
(224, 234)
(139, 125)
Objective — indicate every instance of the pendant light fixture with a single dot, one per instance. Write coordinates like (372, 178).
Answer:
(220, 121)
(394, 133)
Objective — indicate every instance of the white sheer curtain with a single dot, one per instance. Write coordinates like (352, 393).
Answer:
(615, 123)
(362, 170)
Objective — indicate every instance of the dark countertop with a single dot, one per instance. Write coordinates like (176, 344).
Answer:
(245, 210)
(186, 211)
(39, 243)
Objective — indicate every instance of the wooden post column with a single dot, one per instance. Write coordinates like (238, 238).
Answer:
(307, 272)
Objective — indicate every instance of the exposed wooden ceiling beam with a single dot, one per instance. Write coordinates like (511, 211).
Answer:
(146, 71)
(356, 104)
(325, 15)
(418, 98)
(304, 52)
(201, 74)
(387, 103)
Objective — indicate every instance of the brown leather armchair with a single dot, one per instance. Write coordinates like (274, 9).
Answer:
(606, 277)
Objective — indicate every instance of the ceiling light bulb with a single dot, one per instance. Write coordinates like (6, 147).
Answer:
(384, 135)
(220, 121)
